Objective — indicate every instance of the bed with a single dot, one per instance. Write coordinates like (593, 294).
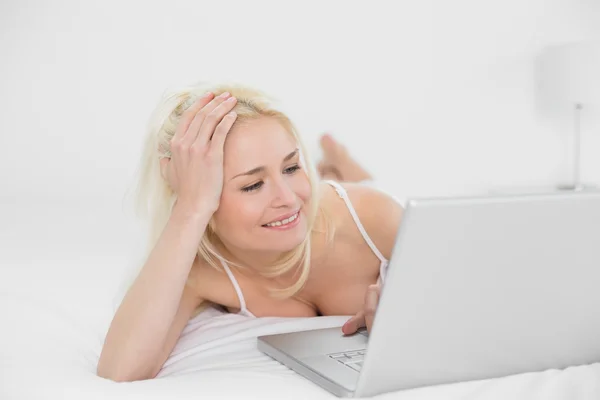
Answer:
(60, 268)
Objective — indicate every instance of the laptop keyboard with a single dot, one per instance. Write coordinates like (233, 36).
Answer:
(352, 359)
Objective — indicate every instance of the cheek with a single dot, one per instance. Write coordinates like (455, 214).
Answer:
(249, 212)
(239, 213)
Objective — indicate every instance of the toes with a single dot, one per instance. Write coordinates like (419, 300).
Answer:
(327, 141)
(332, 149)
(328, 144)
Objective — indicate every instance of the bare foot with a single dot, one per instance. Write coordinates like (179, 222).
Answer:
(337, 164)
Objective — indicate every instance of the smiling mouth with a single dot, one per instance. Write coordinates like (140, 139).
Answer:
(284, 222)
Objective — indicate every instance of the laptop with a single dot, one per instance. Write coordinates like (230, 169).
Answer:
(477, 288)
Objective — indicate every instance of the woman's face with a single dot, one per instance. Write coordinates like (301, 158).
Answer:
(265, 189)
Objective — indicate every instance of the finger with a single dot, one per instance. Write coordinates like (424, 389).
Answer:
(202, 115)
(189, 114)
(167, 172)
(371, 302)
(213, 119)
(354, 323)
(218, 139)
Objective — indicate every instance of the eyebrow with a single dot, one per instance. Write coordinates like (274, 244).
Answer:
(262, 168)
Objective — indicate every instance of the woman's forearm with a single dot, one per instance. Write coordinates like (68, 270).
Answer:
(136, 337)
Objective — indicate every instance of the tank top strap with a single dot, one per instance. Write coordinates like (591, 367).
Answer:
(238, 290)
(344, 195)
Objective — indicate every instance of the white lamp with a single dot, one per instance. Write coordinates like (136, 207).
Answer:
(568, 84)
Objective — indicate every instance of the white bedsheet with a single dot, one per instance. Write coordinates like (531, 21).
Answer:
(57, 285)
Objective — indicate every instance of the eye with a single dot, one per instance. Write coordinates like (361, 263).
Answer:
(292, 169)
(250, 188)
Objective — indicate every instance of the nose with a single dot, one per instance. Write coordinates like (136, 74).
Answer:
(283, 195)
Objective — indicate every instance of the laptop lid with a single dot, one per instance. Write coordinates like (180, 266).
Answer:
(488, 287)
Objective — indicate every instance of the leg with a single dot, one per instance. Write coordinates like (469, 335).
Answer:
(338, 165)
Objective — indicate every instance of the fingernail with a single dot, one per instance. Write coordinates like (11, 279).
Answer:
(207, 94)
(224, 95)
(231, 99)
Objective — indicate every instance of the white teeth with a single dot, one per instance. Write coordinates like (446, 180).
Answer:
(284, 222)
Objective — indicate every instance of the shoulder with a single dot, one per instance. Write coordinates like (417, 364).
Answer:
(202, 276)
(379, 213)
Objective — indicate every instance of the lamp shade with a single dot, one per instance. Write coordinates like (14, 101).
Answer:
(569, 74)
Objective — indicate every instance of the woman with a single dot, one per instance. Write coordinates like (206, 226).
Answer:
(241, 220)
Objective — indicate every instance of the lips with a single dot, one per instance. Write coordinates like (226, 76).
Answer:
(282, 217)
(283, 220)
(285, 224)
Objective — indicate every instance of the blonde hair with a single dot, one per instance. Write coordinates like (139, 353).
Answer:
(155, 199)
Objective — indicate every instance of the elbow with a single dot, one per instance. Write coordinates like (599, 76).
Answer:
(120, 374)
(120, 377)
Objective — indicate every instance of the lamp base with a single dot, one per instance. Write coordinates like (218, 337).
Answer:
(542, 189)
(576, 188)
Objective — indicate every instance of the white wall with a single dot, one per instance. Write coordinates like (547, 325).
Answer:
(435, 97)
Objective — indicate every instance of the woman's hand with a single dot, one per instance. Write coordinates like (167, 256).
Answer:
(195, 169)
(364, 318)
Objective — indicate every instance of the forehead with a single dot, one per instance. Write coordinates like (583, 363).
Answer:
(256, 142)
